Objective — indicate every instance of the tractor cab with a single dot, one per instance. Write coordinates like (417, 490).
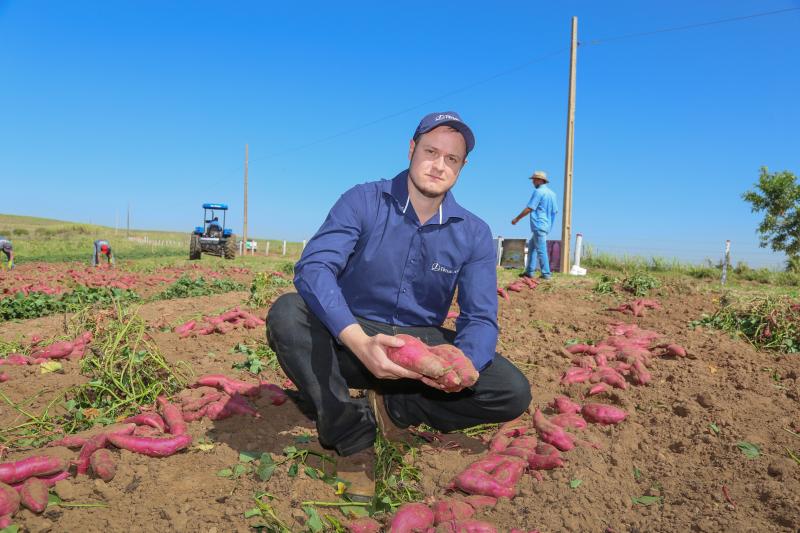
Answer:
(213, 237)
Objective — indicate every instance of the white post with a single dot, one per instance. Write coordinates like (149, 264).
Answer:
(499, 249)
(304, 245)
(266, 249)
(576, 269)
(284, 247)
(726, 261)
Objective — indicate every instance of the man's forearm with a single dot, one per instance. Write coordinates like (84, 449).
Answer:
(523, 213)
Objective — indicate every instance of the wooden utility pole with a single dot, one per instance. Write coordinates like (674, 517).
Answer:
(566, 225)
(244, 229)
(128, 231)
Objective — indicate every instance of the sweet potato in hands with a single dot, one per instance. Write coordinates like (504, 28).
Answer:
(416, 356)
(458, 363)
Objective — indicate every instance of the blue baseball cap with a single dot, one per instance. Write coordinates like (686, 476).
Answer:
(446, 118)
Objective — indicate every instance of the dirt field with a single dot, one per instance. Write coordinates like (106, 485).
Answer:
(666, 448)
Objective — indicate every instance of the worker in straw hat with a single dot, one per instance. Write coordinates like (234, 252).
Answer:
(542, 209)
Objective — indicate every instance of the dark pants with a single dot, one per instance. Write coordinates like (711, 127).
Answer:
(324, 370)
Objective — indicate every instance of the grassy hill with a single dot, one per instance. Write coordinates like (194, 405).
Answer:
(44, 239)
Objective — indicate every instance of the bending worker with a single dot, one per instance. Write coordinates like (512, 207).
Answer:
(387, 260)
(102, 247)
(7, 248)
(542, 209)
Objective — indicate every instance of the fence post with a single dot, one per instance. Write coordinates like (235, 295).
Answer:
(284, 247)
(266, 249)
(726, 261)
(499, 240)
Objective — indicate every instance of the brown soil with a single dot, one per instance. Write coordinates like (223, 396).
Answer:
(750, 395)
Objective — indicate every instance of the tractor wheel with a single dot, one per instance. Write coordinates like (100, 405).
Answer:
(229, 248)
(194, 247)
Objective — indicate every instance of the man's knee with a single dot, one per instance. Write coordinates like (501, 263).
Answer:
(517, 394)
(284, 314)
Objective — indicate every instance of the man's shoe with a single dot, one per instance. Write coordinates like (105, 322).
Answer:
(358, 472)
(525, 275)
(386, 425)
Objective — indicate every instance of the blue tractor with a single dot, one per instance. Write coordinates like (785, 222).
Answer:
(212, 237)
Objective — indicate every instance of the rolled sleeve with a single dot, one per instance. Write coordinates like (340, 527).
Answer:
(476, 326)
(325, 255)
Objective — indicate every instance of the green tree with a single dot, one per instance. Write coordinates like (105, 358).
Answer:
(777, 194)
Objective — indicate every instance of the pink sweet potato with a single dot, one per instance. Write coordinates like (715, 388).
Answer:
(545, 457)
(458, 363)
(412, 517)
(39, 465)
(640, 374)
(479, 501)
(3, 377)
(230, 385)
(526, 442)
(449, 509)
(580, 348)
(9, 500)
(562, 404)
(551, 433)
(151, 446)
(571, 420)
(199, 403)
(598, 389)
(415, 355)
(5, 521)
(509, 472)
(92, 445)
(185, 329)
(506, 433)
(277, 396)
(466, 526)
(172, 416)
(675, 350)
(57, 350)
(610, 376)
(33, 494)
(103, 464)
(148, 419)
(364, 524)
(599, 413)
(79, 439)
(475, 481)
(15, 359)
(576, 375)
(502, 292)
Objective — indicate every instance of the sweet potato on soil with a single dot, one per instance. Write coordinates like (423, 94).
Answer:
(599, 413)
(198, 403)
(172, 416)
(509, 472)
(364, 524)
(79, 439)
(674, 350)
(551, 433)
(92, 445)
(506, 433)
(5, 521)
(184, 330)
(15, 359)
(448, 509)
(466, 526)
(412, 517)
(502, 292)
(479, 501)
(598, 389)
(103, 464)
(476, 481)
(33, 494)
(9, 500)
(415, 355)
(546, 457)
(151, 446)
(277, 396)
(640, 374)
(3, 377)
(581, 348)
(526, 442)
(563, 405)
(571, 420)
(39, 465)
(147, 419)
(230, 385)
(576, 374)
(57, 350)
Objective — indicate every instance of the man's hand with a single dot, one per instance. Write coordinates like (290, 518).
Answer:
(514, 222)
(371, 351)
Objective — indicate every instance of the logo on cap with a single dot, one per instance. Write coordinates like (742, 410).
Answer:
(446, 117)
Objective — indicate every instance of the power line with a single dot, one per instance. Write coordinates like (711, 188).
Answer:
(594, 42)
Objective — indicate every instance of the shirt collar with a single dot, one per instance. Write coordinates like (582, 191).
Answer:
(449, 208)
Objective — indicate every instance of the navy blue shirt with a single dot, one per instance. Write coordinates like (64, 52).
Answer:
(373, 259)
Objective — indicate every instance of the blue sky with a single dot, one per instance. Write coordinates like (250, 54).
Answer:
(105, 103)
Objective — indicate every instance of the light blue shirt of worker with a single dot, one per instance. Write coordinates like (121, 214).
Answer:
(543, 208)
(372, 258)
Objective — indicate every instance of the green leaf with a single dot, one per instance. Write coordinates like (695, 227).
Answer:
(13, 528)
(265, 470)
(354, 511)
(714, 428)
(750, 450)
(246, 457)
(225, 472)
(637, 474)
(255, 511)
(290, 450)
(265, 459)
(313, 473)
(53, 499)
(50, 366)
(314, 521)
(240, 469)
(302, 439)
(647, 500)
(575, 483)
(293, 470)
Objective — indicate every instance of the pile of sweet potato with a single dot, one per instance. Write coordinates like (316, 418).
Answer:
(445, 364)
(636, 307)
(517, 286)
(73, 350)
(222, 324)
